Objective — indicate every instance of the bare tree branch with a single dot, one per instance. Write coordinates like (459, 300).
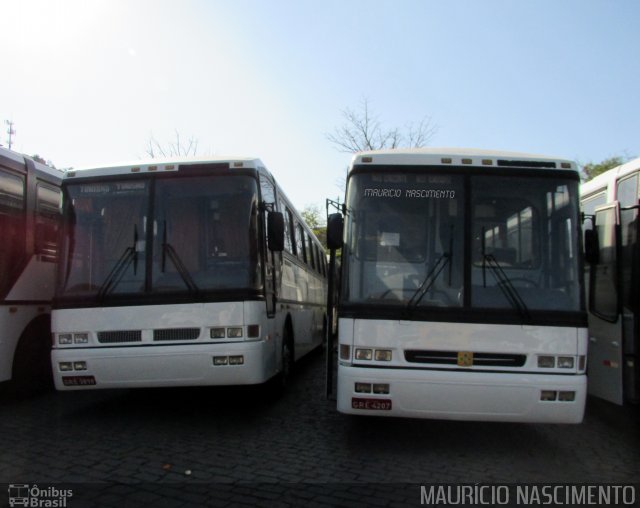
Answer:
(177, 149)
(419, 135)
(362, 131)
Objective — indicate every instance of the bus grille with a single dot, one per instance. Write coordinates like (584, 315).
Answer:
(176, 334)
(119, 336)
(451, 358)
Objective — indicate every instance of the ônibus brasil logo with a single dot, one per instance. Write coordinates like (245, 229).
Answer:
(22, 494)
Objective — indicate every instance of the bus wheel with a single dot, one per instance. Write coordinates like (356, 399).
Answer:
(287, 356)
(31, 371)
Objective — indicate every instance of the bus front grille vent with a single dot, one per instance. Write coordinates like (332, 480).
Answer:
(451, 358)
(120, 336)
(176, 334)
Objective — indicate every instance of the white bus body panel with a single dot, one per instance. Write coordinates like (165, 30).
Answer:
(150, 363)
(450, 392)
(304, 298)
(171, 365)
(605, 359)
(35, 283)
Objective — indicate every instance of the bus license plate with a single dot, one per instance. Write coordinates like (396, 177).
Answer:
(373, 404)
(78, 380)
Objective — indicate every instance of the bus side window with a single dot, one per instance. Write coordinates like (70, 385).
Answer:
(589, 206)
(48, 200)
(603, 295)
(268, 192)
(12, 227)
(300, 248)
(310, 253)
(289, 244)
(316, 253)
(627, 191)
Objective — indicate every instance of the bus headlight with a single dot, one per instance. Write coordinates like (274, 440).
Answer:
(565, 362)
(363, 387)
(364, 354)
(548, 395)
(236, 360)
(80, 338)
(234, 332)
(383, 355)
(546, 362)
(567, 396)
(65, 338)
(559, 362)
(217, 333)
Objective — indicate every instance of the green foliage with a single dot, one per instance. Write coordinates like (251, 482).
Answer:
(315, 220)
(42, 160)
(591, 170)
(312, 216)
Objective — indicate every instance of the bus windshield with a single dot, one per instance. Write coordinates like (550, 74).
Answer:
(174, 235)
(433, 239)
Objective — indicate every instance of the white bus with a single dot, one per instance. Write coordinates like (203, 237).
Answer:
(183, 273)
(29, 220)
(461, 293)
(610, 201)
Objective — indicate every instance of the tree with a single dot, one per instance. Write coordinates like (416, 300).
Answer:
(176, 149)
(591, 170)
(363, 131)
(312, 216)
(42, 160)
(314, 219)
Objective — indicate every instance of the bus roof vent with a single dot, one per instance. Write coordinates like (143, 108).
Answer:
(527, 164)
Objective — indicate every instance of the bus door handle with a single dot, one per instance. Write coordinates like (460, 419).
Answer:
(593, 340)
(615, 343)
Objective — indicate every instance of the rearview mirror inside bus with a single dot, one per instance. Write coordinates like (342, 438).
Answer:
(591, 249)
(275, 226)
(335, 225)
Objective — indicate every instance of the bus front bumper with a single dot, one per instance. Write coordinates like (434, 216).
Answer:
(240, 363)
(462, 395)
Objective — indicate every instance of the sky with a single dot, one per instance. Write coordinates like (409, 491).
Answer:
(91, 82)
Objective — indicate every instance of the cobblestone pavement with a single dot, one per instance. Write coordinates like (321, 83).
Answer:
(244, 447)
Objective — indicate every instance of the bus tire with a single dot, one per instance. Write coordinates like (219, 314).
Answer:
(287, 356)
(31, 370)
(278, 384)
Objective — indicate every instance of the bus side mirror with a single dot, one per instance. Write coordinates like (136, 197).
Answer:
(335, 226)
(591, 248)
(275, 231)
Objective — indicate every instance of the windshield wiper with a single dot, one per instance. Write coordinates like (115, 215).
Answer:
(504, 282)
(115, 276)
(432, 276)
(167, 249)
(429, 280)
(506, 286)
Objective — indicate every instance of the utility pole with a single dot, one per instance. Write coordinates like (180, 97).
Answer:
(10, 131)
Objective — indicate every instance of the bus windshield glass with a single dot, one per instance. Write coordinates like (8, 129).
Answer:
(178, 235)
(411, 246)
(407, 238)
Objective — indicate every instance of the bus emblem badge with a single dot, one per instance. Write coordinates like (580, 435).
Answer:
(465, 359)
